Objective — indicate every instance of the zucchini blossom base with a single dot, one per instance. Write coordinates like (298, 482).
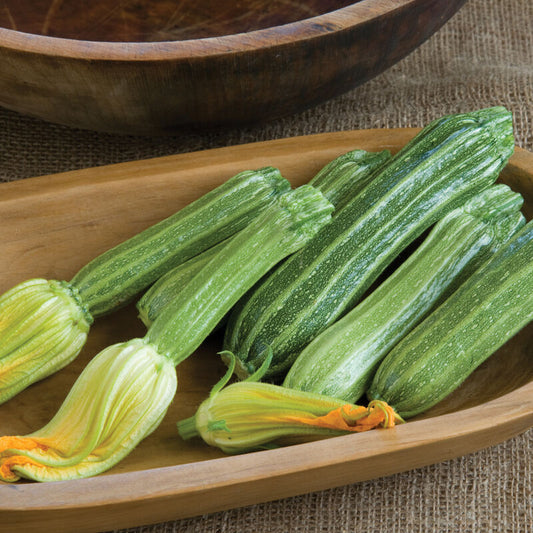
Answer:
(43, 327)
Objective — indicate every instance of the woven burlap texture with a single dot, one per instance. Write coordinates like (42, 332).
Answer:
(482, 57)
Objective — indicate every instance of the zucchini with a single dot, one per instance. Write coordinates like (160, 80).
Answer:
(444, 349)
(451, 160)
(123, 393)
(342, 360)
(338, 181)
(41, 317)
(118, 275)
(195, 311)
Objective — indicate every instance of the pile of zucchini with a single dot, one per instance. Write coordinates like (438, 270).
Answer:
(327, 323)
(461, 295)
(44, 323)
(342, 360)
(450, 161)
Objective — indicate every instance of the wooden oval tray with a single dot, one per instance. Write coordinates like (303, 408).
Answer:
(50, 226)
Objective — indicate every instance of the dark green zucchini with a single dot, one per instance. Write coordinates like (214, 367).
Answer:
(342, 360)
(451, 160)
(444, 349)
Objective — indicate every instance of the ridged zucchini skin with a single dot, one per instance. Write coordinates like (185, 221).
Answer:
(114, 278)
(338, 181)
(280, 230)
(451, 160)
(444, 349)
(342, 360)
(344, 177)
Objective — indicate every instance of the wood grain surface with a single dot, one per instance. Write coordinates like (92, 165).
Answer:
(242, 77)
(51, 226)
(155, 20)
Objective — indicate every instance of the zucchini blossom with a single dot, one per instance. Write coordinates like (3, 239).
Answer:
(43, 326)
(248, 415)
(119, 399)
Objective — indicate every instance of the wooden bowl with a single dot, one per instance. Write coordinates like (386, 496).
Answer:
(207, 63)
(44, 233)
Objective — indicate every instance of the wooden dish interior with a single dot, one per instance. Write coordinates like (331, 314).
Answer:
(51, 226)
(155, 20)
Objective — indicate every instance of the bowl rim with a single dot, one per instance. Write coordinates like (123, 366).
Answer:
(335, 21)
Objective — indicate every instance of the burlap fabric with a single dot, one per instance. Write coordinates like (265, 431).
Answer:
(482, 57)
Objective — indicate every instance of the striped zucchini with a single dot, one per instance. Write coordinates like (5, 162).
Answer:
(338, 181)
(162, 292)
(43, 316)
(287, 225)
(342, 360)
(115, 277)
(443, 350)
(451, 160)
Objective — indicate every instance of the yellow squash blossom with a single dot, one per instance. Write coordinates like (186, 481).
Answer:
(119, 399)
(248, 415)
(35, 314)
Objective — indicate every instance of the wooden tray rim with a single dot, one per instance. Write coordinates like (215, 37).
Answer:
(473, 428)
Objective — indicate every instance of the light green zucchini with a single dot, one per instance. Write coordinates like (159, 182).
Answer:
(162, 292)
(451, 160)
(342, 360)
(118, 275)
(443, 350)
(285, 227)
